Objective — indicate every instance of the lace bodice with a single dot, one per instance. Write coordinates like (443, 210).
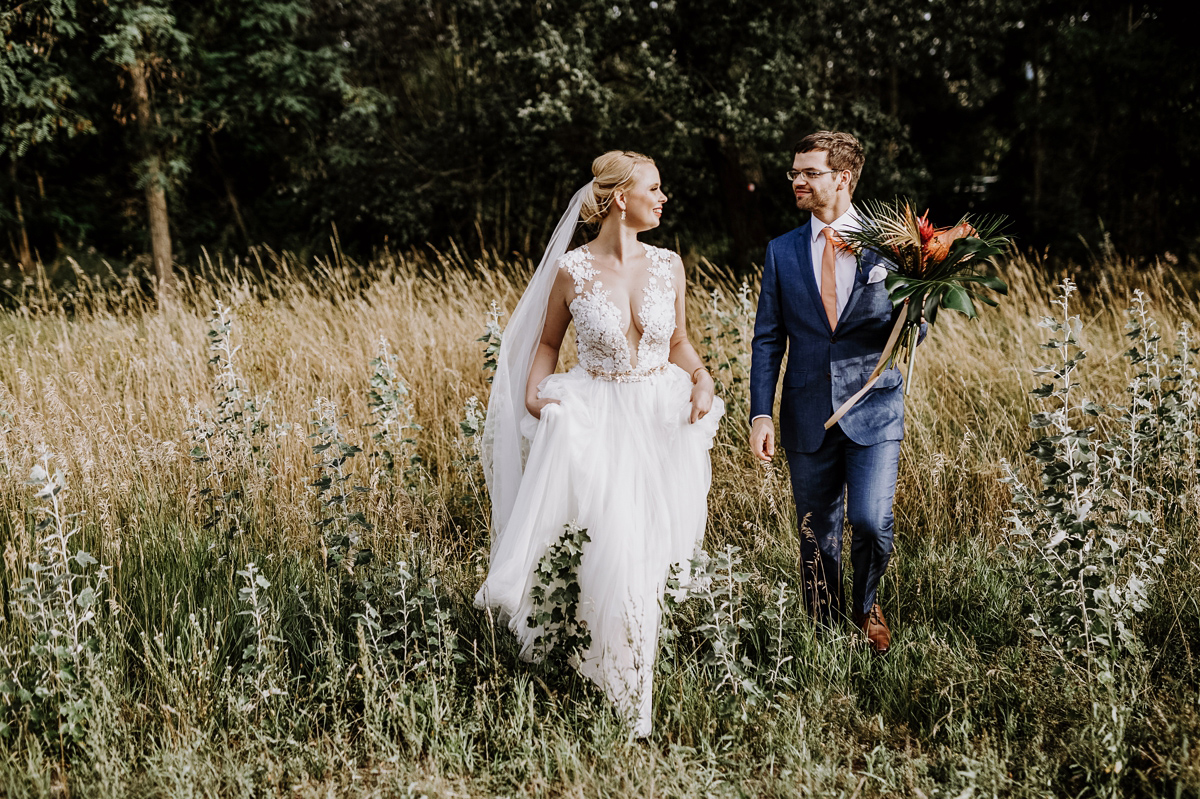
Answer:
(599, 324)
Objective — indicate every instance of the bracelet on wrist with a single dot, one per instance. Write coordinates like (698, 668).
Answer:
(697, 369)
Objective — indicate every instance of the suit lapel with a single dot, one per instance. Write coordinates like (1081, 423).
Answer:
(807, 277)
(861, 274)
(860, 282)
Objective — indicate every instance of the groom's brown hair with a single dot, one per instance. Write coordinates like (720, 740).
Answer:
(842, 151)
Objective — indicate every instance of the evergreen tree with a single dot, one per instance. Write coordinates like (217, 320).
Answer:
(37, 97)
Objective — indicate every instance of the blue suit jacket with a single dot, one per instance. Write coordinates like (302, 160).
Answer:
(824, 367)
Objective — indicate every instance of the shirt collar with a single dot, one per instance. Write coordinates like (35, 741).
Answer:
(850, 220)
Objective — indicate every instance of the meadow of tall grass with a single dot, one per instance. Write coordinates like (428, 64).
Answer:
(241, 532)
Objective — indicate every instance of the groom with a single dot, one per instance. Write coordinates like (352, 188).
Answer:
(832, 317)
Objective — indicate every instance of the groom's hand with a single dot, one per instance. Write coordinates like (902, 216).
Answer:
(762, 438)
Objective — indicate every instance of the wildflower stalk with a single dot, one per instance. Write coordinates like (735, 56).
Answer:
(41, 689)
(338, 516)
(395, 425)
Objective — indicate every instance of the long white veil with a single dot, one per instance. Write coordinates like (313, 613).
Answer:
(502, 450)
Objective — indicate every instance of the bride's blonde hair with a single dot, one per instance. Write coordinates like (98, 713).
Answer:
(611, 173)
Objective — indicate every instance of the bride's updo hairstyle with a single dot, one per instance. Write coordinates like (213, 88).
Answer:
(611, 173)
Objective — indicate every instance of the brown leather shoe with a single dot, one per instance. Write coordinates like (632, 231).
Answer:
(879, 637)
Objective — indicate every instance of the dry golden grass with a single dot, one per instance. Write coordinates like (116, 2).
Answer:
(106, 381)
(107, 388)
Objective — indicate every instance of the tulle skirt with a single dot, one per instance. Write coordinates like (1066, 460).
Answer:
(621, 460)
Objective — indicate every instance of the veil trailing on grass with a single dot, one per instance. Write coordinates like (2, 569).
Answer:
(503, 450)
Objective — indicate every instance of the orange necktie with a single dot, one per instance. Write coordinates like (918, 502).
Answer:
(829, 275)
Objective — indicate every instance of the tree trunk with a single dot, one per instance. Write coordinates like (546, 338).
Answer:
(156, 193)
(58, 242)
(24, 250)
(234, 206)
(743, 212)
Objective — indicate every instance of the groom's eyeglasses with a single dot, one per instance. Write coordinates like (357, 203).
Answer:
(809, 174)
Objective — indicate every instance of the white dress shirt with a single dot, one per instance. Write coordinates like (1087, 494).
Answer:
(845, 264)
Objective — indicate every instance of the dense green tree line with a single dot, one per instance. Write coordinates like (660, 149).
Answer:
(155, 127)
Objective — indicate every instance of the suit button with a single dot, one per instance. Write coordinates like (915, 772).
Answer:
(833, 339)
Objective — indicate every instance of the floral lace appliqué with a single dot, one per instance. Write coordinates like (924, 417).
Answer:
(658, 311)
(603, 348)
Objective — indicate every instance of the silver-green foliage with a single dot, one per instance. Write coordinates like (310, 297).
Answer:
(727, 331)
(229, 442)
(408, 655)
(746, 652)
(717, 582)
(1159, 423)
(1087, 532)
(261, 658)
(395, 425)
(1090, 542)
(492, 336)
(471, 426)
(339, 516)
(406, 615)
(468, 449)
(43, 679)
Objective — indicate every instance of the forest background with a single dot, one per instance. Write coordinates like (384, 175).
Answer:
(132, 127)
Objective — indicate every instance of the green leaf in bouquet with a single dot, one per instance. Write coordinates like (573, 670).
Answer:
(913, 314)
(900, 288)
(932, 304)
(956, 298)
(989, 281)
(893, 279)
(962, 249)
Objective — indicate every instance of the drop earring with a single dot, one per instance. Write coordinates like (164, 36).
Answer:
(622, 214)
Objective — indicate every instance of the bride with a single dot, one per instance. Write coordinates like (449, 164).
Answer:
(618, 445)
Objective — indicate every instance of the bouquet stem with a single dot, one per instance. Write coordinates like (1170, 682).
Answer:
(913, 333)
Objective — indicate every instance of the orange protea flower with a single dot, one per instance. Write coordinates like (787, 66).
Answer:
(939, 243)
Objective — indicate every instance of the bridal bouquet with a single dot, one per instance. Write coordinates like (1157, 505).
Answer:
(929, 269)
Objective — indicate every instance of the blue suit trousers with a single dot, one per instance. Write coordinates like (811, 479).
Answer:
(844, 481)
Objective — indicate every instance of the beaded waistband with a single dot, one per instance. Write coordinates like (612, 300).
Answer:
(632, 376)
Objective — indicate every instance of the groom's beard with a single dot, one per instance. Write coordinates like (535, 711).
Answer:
(814, 199)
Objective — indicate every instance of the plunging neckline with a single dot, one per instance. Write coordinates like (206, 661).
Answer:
(633, 352)
(601, 326)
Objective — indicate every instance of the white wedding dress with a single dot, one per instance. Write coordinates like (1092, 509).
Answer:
(618, 457)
